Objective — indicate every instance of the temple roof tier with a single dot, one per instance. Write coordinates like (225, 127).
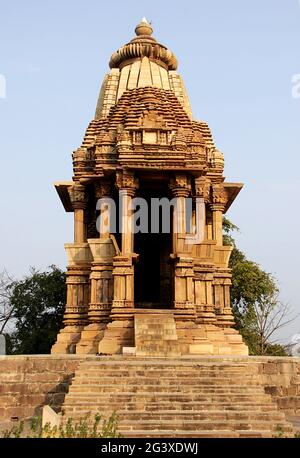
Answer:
(143, 62)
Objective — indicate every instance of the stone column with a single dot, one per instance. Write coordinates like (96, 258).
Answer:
(78, 268)
(221, 284)
(222, 276)
(77, 277)
(79, 226)
(180, 186)
(79, 201)
(120, 331)
(101, 279)
(126, 195)
(103, 251)
(123, 264)
(217, 218)
(204, 295)
(203, 261)
(217, 206)
(77, 282)
(202, 187)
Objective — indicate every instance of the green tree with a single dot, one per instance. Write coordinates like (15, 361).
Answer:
(254, 297)
(37, 302)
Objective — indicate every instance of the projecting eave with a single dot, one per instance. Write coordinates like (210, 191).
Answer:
(62, 190)
(232, 190)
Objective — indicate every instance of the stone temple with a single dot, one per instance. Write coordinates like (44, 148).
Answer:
(148, 328)
(147, 293)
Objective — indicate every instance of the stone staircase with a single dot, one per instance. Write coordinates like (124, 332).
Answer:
(155, 335)
(159, 397)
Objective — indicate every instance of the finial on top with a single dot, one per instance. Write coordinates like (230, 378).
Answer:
(143, 28)
(143, 45)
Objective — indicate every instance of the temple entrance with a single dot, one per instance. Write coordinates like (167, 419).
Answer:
(153, 271)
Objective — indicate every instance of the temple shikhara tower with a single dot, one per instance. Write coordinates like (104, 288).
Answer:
(147, 293)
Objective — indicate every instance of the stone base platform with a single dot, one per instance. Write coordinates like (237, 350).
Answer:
(188, 337)
(213, 396)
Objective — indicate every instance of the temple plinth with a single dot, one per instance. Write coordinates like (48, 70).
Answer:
(144, 143)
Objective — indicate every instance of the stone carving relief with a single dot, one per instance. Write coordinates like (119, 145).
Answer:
(78, 196)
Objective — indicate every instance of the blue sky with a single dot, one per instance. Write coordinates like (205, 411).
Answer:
(237, 59)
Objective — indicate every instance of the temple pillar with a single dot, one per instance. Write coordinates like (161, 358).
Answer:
(217, 223)
(203, 260)
(217, 207)
(222, 275)
(124, 263)
(79, 226)
(126, 196)
(77, 277)
(221, 285)
(203, 283)
(101, 280)
(120, 331)
(180, 186)
(78, 199)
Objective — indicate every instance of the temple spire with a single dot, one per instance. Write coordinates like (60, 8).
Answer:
(143, 45)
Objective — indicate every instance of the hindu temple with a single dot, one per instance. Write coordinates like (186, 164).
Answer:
(149, 292)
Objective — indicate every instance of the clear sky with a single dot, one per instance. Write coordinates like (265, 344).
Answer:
(237, 59)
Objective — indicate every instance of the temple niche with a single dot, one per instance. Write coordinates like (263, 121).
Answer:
(147, 293)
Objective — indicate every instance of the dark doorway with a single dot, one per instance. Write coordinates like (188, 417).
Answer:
(153, 271)
(153, 275)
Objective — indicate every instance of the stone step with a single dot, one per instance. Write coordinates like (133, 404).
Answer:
(158, 326)
(164, 373)
(150, 338)
(145, 380)
(157, 343)
(167, 388)
(102, 409)
(273, 422)
(162, 365)
(102, 405)
(186, 425)
(165, 415)
(159, 352)
(165, 363)
(153, 380)
(158, 397)
(156, 335)
(227, 377)
(196, 434)
(155, 318)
